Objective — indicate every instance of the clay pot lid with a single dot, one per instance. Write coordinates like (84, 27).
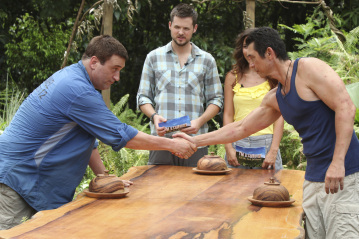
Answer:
(271, 191)
(100, 175)
(271, 182)
(211, 156)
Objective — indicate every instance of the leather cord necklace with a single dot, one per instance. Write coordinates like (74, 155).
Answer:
(286, 78)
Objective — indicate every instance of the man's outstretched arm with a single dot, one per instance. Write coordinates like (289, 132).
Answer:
(258, 119)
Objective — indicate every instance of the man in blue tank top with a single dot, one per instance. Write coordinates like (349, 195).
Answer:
(312, 97)
(45, 150)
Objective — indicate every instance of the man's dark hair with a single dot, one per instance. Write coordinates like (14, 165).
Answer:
(104, 47)
(264, 37)
(183, 10)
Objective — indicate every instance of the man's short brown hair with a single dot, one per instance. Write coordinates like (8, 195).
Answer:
(183, 10)
(104, 47)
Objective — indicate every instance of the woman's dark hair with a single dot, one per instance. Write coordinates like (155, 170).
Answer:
(242, 65)
(104, 47)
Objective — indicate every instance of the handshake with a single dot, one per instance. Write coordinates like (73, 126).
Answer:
(183, 145)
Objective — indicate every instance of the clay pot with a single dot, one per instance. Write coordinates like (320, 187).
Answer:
(106, 183)
(271, 191)
(211, 163)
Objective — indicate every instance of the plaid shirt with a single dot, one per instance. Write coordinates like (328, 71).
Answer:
(174, 91)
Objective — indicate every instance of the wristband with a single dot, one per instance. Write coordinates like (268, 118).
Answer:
(151, 118)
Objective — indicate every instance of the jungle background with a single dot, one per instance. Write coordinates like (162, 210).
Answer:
(35, 34)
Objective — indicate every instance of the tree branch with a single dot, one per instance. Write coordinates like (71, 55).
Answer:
(74, 29)
(88, 10)
(290, 1)
(328, 12)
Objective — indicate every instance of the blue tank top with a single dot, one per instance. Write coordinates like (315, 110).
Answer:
(315, 123)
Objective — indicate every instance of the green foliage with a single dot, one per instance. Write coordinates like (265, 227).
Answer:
(291, 149)
(350, 15)
(24, 219)
(353, 90)
(318, 40)
(35, 51)
(218, 149)
(10, 100)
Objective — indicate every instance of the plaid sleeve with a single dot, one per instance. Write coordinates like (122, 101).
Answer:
(213, 87)
(145, 94)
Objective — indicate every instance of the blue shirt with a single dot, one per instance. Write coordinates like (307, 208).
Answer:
(176, 91)
(46, 148)
(315, 123)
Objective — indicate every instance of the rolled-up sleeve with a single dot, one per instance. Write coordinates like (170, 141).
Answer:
(99, 121)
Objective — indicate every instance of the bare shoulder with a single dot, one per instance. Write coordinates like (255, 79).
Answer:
(313, 69)
(270, 100)
(319, 81)
(230, 78)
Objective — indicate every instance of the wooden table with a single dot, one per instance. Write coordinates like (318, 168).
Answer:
(174, 202)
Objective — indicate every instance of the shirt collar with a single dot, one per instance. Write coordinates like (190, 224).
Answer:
(83, 69)
(195, 49)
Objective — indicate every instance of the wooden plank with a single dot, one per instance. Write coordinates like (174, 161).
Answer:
(175, 202)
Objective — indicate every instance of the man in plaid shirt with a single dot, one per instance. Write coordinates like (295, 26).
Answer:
(180, 79)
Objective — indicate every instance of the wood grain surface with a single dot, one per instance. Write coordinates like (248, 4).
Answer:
(175, 202)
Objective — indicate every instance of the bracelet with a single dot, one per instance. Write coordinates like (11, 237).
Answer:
(151, 118)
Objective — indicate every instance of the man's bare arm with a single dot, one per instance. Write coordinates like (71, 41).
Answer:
(182, 148)
(96, 163)
(258, 119)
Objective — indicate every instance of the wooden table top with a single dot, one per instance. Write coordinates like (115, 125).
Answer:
(175, 202)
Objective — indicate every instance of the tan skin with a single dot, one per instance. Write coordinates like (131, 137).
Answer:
(250, 78)
(182, 30)
(314, 80)
(98, 167)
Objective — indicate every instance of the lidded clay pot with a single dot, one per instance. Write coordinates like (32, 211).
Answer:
(106, 183)
(271, 191)
(211, 163)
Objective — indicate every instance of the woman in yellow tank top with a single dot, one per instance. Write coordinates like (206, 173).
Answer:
(244, 91)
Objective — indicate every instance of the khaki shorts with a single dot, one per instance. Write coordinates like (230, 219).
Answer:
(332, 216)
(13, 208)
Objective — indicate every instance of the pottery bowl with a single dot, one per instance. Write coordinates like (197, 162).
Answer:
(271, 191)
(211, 163)
(105, 183)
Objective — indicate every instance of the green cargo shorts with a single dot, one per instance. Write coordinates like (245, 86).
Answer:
(13, 208)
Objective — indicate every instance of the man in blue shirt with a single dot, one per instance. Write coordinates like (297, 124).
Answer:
(46, 148)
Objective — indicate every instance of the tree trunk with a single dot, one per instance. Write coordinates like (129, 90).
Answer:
(107, 20)
(249, 21)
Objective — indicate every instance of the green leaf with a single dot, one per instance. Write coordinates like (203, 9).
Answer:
(353, 90)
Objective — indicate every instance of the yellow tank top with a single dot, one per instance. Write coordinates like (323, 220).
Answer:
(247, 99)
